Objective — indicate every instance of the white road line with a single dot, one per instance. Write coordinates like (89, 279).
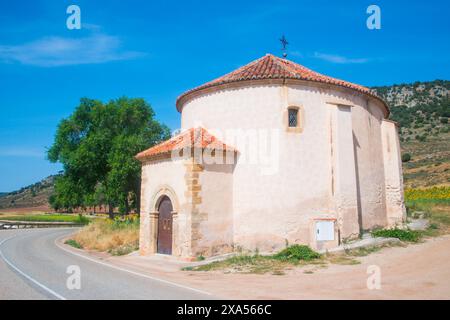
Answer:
(25, 275)
(129, 271)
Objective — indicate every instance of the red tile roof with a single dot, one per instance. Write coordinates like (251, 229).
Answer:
(271, 67)
(192, 138)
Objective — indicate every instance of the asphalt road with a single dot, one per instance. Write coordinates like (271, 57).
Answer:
(32, 266)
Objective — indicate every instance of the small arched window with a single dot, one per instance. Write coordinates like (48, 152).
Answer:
(294, 119)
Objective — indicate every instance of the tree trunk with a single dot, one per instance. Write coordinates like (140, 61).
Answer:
(127, 207)
(111, 211)
(138, 197)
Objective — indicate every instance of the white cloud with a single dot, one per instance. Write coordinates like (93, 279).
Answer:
(338, 59)
(59, 51)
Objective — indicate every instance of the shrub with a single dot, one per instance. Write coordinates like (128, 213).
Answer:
(434, 226)
(117, 237)
(297, 252)
(74, 244)
(123, 222)
(200, 258)
(124, 249)
(82, 219)
(403, 235)
(406, 157)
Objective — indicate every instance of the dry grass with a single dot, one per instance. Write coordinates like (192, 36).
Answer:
(437, 212)
(342, 258)
(116, 237)
(276, 264)
(430, 163)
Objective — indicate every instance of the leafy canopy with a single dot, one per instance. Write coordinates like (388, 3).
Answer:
(96, 146)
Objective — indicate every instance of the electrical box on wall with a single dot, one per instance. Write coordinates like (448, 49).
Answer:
(325, 230)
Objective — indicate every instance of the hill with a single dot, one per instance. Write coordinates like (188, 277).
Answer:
(414, 94)
(422, 109)
(35, 195)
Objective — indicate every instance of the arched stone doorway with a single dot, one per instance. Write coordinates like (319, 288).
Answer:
(165, 226)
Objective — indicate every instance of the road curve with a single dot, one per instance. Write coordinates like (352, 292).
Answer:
(32, 266)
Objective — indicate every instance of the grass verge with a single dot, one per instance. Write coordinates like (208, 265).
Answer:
(296, 255)
(49, 218)
(118, 237)
(403, 235)
(73, 243)
(437, 211)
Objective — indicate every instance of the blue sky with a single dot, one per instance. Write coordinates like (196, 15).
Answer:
(159, 49)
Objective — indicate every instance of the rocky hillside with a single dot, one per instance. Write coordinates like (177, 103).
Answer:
(422, 109)
(414, 94)
(35, 195)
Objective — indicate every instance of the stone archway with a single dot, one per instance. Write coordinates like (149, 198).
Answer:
(167, 191)
(161, 224)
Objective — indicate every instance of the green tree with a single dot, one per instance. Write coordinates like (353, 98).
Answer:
(97, 145)
(67, 195)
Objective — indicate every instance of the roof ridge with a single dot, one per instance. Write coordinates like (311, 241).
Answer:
(240, 69)
(273, 67)
(279, 61)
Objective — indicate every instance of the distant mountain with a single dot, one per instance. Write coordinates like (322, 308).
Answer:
(423, 110)
(3, 194)
(34, 195)
(413, 94)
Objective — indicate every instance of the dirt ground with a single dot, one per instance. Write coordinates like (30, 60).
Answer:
(418, 271)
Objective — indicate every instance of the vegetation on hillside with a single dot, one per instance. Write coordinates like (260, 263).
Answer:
(434, 194)
(429, 163)
(96, 146)
(422, 109)
(34, 195)
(412, 94)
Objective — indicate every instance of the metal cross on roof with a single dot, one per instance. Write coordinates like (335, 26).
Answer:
(284, 43)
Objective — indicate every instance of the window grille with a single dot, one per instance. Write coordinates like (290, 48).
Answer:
(293, 118)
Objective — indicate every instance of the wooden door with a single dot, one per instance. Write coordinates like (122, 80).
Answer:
(165, 226)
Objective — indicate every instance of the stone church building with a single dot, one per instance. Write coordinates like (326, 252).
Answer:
(271, 154)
